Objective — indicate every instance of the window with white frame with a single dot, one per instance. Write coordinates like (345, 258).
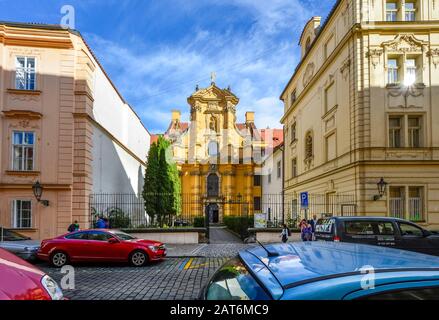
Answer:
(22, 214)
(410, 71)
(391, 11)
(410, 10)
(392, 71)
(395, 131)
(414, 131)
(409, 126)
(25, 73)
(23, 151)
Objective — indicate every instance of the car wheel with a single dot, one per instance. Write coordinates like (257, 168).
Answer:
(59, 259)
(138, 258)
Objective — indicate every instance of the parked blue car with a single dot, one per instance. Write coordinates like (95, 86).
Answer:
(326, 271)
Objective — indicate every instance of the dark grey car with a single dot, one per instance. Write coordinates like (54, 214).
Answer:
(379, 231)
(18, 244)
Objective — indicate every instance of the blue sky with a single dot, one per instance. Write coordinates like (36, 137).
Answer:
(157, 51)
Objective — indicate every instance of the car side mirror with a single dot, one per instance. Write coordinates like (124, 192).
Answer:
(426, 233)
(113, 240)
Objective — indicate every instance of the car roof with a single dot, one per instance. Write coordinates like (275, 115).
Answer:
(304, 262)
(368, 218)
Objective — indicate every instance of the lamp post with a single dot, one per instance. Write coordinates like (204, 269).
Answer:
(382, 185)
(37, 188)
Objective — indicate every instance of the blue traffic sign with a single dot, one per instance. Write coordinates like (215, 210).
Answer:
(304, 203)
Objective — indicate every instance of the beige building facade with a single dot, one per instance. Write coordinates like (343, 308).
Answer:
(362, 105)
(64, 124)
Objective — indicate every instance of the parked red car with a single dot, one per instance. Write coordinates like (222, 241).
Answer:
(19, 280)
(100, 246)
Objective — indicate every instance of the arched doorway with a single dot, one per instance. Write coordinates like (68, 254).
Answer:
(212, 211)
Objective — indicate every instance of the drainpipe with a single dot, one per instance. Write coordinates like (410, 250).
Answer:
(283, 178)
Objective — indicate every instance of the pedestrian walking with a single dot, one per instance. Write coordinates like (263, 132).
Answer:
(73, 227)
(305, 230)
(285, 234)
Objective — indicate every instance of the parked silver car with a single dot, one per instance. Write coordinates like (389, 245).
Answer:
(18, 244)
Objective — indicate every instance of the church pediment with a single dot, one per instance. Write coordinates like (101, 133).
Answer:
(213, 95)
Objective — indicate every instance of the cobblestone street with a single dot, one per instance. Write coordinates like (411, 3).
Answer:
(172, 279)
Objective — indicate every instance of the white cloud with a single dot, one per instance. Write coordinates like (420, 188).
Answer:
(257, 64)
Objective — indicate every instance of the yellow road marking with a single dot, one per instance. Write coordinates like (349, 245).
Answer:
(188, 264)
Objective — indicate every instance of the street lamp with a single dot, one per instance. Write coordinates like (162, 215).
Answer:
(382, 185)
(37, 188)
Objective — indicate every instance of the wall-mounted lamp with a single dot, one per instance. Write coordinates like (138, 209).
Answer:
(382, 185)
(37, 188)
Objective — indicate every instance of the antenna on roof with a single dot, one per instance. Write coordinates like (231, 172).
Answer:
(269, 253)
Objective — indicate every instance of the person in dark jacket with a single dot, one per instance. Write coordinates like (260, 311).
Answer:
(73, 227)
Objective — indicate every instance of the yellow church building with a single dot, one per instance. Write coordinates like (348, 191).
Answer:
(219, 159)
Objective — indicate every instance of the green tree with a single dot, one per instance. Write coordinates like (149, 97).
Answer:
(150, 187)
(163, 195)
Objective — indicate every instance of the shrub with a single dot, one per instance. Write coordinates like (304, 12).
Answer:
(118, 219)
(199, 222)
(239, 224)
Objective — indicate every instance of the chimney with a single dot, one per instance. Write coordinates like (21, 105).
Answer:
(249, 117)
(176, 115)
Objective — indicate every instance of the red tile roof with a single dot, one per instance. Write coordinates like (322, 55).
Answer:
(276, 134)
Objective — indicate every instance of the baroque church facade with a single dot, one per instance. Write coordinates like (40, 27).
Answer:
(219, 159)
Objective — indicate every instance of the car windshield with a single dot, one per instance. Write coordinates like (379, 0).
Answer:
(234, 282)
(325, 225)
(8, 235)
(123, 235)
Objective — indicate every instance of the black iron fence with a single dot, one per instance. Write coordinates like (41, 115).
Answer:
(128, 210)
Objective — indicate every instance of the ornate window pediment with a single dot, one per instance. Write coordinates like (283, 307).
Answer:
(405, 43)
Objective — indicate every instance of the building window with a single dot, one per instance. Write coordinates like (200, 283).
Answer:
(309, 146)
(396, 202)
(414, 132)
(330, 97)
(213, 149)
(294, 168)
(293, 97)
(410, 72)
(391, 11)
(22, 214)
(257, 203)
(331, 147)
(279, 169)
(23, 151)
(392, 71)
(293, 132)
(410, 11)
(257, 180)
(25, 75)
(269, 176)
(416, 204)
(395, 129)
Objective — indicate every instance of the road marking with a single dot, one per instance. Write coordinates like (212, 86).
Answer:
(183, 264)
(188, 264)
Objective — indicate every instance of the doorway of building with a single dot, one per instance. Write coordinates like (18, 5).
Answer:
(212, 211)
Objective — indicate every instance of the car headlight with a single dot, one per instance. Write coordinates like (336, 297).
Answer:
(153, 248)
(52, 288)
